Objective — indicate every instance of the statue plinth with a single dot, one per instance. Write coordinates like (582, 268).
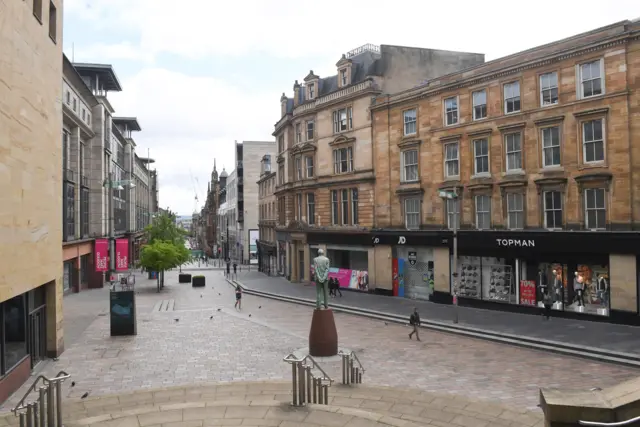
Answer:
(323, 335)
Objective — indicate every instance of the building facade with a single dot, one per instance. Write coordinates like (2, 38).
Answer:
(531, 160)
(325, 164)
(209, 215)
(31, 206)
(228, 217)
(267, 214)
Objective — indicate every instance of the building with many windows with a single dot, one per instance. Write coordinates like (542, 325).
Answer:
(531, 158)
(267, 214)
(31, 176)
(325, 164)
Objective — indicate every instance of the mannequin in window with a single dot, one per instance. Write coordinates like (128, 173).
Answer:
(602, 287)
(543, 284)
(557, 285)
(578, 287)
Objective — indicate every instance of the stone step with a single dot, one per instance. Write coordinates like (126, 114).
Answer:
(269, 404)
(164, 305)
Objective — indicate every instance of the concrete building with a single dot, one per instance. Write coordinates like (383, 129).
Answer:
(228, 218)
(31, 177)
(325, 184)
(267, 247)
(533, 159)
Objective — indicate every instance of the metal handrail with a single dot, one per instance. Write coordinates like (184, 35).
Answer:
(355, 356)
(291, 358)
(62, 375)
(615, 424)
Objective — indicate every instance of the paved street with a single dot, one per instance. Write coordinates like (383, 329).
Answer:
(196, 343)
(585, 333)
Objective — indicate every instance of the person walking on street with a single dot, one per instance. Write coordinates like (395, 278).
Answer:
(547, 301)
(238, 297)
(235, 269)
(228, 270)
(414, 320)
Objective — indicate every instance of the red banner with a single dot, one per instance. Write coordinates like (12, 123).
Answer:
(528, 292)
(101, 252)
(122, 254)
(394, 276)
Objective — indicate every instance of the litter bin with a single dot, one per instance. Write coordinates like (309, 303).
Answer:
(122, 308)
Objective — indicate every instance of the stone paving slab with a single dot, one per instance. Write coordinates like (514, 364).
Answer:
(600, 335)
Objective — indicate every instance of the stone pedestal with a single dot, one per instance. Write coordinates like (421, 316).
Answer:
(323, 336)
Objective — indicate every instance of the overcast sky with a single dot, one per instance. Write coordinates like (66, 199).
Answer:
(200, 74)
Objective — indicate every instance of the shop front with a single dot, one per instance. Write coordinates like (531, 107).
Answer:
(419, 262)
(267, 256)
(576, 273)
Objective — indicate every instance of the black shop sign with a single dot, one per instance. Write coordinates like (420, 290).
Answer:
(413, 257)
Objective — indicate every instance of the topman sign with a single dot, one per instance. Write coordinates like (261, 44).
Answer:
(524, 243)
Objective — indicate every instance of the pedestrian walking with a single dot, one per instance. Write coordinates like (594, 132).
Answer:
(414, 320)
(547, 301)
(238, 297)
(228, 269)
(235, 269)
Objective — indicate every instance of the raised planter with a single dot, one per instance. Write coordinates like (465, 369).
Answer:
(197, 281)
(184, 278)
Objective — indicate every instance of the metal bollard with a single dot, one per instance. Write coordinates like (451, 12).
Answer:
(50, 407)
(29, 415)
(23, 419)
(325, 391)
(357, 375)
(294, 376)
(59, 402)
(360, 377)
(315, 390)
(36, 413)
(301, 386)
(309, 379)
(320, 394)
(351, 370)
(41, 403)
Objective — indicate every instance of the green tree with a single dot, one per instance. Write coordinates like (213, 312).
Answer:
(160, 256)
(164, 228)
(184, 255)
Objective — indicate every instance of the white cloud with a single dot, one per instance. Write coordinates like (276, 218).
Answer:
(108, 52)
(187, 122)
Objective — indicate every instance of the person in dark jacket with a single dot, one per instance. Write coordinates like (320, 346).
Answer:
(414, 320)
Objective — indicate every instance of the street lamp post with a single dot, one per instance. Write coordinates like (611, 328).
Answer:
(446, 196)
(111, 185)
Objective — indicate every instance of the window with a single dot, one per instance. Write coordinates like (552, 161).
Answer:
(593, 141)
(409, 165)
(343, 77)
(298, 133)
(15, 333)
(65, 150)
(311, 208)
(551, 147)
(479, 104)
(354, 206)
(75, 104)
(299, 207)
(512, 97)
(483, 212)
(310, 125)
(591, 82)
(552, 209)
(451, 111)
(549, 89)
(37, 9)
(280, 143)
(342, 160)
(344, 201)
(68, 98)
(595, 211)
(298, 168)
(53, 21)
(481, 156)
(410, 122)
(412, 214)
(84, 211)
(453, 213)
(281, 174)
(312, 90)
(342, 120)
(84, 113)
(335, 208)
(70, 211)
(451, 160)
(309, 166)
(514, 151)
(515, 211)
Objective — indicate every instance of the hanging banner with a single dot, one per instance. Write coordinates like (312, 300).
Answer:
(394, 276)
(101, 251)
(122, 254)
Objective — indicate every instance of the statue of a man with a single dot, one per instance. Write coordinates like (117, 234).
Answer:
(321, 271)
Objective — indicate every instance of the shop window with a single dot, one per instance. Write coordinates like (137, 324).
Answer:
(451, 160)
(488, 278)
(15, 334)
(412, 213)
(84, 269)
(515, 211)
(595, 211)
(483, 212)
(513, 149)
(551, 146)
(481, 156)
(552, 210)
(67, 268)
(453, 213)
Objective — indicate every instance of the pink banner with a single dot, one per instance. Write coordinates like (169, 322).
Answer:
(353, 279)
(122, 254)
(101, 252)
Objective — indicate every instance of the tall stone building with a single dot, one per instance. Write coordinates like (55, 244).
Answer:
(533, 160)
(209, 216)
(325, 165)
(31, 177)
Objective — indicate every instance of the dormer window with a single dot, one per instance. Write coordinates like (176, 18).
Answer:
(343, 77)
(312, 90)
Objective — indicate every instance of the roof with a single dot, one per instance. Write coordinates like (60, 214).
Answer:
(79, 84)
(104, 71)
(130, 122)
(224, 173)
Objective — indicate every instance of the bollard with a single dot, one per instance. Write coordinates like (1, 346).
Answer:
(315, 390)
(36, 413)
(22, 419)
(360, 377)
(357, 374)
(320, 393)
(29, 415)
(41, 403)
(309, 379)
(351, 370)
(325, 391)
(301, 387)
(50, 407)
(294, 376)
(59, 402)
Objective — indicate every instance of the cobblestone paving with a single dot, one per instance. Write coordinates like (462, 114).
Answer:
(206, 345)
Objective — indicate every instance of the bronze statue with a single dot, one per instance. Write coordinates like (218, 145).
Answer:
(321, 272)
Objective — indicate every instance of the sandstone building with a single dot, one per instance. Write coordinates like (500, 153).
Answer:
(267, 249)
(324, 161)
(533, 159)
